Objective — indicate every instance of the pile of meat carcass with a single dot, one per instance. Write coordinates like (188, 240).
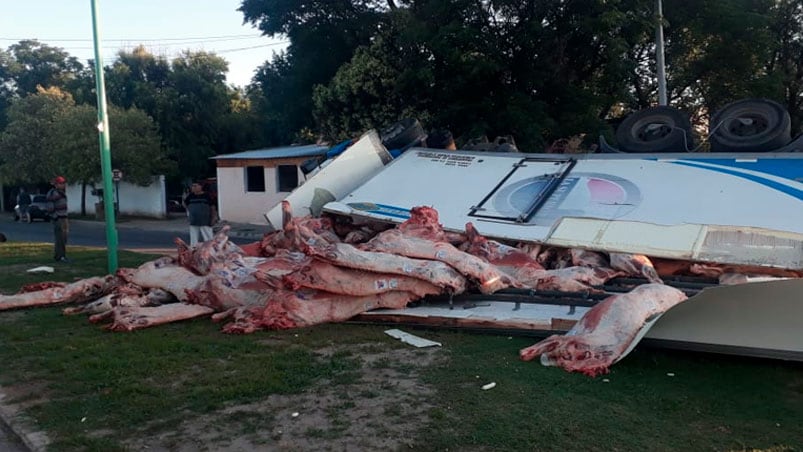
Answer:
(318, 270)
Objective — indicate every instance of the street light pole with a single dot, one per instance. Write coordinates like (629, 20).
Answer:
(105, 151)
(659, 53)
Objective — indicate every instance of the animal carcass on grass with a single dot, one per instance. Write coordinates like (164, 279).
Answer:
(607, 331)
(307, 274)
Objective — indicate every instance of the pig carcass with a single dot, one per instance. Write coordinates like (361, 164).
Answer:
(306, 274)
(77, 292)
(607, 331)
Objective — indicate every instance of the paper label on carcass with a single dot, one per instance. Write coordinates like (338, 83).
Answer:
(382, 284)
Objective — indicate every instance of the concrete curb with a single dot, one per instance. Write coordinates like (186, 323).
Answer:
(11, 416)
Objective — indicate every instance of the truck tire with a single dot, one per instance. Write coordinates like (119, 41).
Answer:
(750, 125)
(656, 129)
(403, 134)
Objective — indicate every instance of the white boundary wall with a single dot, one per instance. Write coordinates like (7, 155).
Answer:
(149, 201)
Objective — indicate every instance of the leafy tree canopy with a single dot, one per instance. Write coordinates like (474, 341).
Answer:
(48, 134)
(36, 64)
(539, 70)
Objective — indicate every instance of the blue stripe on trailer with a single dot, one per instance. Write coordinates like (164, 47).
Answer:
(784, 168)
(791, 191)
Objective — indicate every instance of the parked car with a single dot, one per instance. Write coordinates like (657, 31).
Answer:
(174, 205)
(37, 209)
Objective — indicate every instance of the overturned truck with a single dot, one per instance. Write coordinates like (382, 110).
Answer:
(709, 224)
(694, 251)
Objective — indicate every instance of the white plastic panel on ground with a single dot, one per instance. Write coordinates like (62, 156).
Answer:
(759, 319)
(499, 313)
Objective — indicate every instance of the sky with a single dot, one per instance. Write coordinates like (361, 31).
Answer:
(164, 27)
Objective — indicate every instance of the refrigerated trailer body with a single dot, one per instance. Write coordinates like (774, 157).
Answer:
(738, 209)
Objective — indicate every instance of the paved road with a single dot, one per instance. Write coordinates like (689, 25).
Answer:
(89, 233)
(132, 235)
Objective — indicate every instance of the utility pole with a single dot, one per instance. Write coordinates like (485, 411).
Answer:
(105, 151)
(659, 52)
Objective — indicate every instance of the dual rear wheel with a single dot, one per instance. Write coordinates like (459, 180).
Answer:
(748, 125)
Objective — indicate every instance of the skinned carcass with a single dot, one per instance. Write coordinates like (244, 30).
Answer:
(127, 295)
(636, 265)
(345, 281)
(77, 292)
(201, 258)
(530, 273)
(308, 307)
(163, 273)
(575, 279)
(231, 286)
(423, 237)
(586, 258)
(343, 254)
(607, 331)
(136, 318)
(518, 264)
(488, 277)
(287, 239)
(306, 275)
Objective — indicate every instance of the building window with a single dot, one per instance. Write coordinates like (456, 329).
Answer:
(288, 177)
(255, 178)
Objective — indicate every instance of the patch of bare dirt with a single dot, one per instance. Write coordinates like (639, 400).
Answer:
(380, 408)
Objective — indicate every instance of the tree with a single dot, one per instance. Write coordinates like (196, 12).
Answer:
(6, 85)
(241, 128)
(786, 63)
(37, 64)
(189, 100)
(26, 153)
(191, 110)
(136, 78)
(30, 64)
(135, 146)
(489, 68)
(324, 35)
(718, 52)
(48, 135)
(364, 94)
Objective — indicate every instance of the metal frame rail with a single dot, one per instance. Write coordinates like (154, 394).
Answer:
(688, 285)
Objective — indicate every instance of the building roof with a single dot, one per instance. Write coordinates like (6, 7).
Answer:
(309, 150)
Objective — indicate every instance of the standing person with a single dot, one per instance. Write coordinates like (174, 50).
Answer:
(61, 227)
(24, 201)
(201, 212)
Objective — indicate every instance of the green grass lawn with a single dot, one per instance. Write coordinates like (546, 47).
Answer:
(94, 390)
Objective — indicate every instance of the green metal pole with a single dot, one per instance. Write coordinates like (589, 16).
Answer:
(105, 151)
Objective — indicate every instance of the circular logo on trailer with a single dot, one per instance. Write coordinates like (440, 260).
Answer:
(594, 195)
